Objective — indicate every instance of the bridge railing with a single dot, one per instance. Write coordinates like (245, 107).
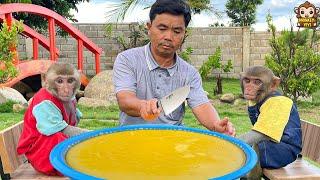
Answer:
(53, 19)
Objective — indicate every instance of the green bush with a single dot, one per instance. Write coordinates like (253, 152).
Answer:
(8, 42)
(214, 63)
(7, 107)
(185, 54)
(294, 60)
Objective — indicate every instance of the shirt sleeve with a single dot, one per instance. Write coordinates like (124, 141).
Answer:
(197, 96)
(274, 116)
(123, 75)
(49, 118)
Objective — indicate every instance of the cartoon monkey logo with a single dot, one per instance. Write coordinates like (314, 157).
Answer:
(307, 15)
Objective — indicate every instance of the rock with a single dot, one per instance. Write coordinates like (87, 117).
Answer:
(240, 102)
(18, 108)
(101, 87)
(7, 94)
(227, 98)
(90, 102)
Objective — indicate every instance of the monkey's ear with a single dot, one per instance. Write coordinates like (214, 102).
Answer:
(296, 10)
(275, 83)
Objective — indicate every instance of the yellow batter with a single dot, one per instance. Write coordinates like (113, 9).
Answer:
(155, 154)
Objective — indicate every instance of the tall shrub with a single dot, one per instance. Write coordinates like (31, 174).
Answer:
(294, 60)
(214, 63)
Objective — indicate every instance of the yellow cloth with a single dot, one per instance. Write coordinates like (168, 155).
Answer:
(274, 116)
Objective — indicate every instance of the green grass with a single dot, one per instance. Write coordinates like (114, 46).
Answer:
(9, 119)
(316, 98)
(100, 113)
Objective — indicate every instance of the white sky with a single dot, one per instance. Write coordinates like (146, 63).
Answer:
(281, 11)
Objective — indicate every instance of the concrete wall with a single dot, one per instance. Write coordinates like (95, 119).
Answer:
(243, 47)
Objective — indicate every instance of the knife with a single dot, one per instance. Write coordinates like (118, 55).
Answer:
(173, 100)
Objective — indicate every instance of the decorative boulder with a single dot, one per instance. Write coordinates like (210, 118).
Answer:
(7, 94)
(227, 98)
(18, 108)
(101, 87)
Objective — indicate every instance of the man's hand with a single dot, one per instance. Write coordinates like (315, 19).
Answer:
(225, 126)
(149, 110)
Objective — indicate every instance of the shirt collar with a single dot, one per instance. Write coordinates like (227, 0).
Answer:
(152, 64)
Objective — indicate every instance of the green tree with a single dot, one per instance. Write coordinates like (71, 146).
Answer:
(61, 7)
(242, 12)
(8, 42)
(217, 24)
(294, 60)
(125, 7)
(214, 63)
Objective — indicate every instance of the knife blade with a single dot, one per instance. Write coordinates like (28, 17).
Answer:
(173, 100)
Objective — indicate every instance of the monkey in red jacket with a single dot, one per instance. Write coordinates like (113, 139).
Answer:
(51, 117)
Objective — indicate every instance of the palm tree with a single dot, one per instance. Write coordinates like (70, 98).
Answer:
(125, 7)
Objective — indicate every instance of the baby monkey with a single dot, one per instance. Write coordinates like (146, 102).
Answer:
(276, 133)
(51, 117)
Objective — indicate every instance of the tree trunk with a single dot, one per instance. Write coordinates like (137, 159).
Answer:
(218, 88)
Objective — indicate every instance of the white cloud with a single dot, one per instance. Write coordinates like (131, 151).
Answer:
(202, 20)
(92, 12)
(138, 16)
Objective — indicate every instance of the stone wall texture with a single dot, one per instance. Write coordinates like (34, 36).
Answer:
(243, 47)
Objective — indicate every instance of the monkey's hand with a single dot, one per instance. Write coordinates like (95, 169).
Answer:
(253, 137)
(225, 126)
(73, 131)
(78, 116)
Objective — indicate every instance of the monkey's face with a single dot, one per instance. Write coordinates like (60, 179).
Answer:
(251, 88)
(65, 87)
(307, 12)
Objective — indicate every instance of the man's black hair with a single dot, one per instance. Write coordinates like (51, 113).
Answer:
(174, 7)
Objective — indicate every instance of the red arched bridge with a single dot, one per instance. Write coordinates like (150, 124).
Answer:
(38, 66)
